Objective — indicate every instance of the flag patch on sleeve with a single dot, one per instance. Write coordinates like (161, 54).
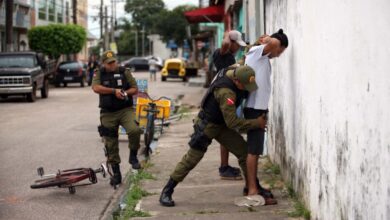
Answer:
(230, 101)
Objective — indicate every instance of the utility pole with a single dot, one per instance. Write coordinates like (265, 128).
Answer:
(74, 11)
(143, 40)
(136, 42)
(101, 22)
(113, 6)
(106, 29)
(9, 24)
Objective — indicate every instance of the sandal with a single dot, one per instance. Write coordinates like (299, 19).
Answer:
(249, 201)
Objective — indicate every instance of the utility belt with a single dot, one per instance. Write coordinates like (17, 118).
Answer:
(199, 140)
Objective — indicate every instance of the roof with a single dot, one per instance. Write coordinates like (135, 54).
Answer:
(208, 14)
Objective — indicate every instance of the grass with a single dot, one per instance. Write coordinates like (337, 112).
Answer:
(133, 196)
(272, 178)
(271, 174)
(207, 212)
(300, 209)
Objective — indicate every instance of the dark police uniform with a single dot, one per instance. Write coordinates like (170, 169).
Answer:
(216, 120)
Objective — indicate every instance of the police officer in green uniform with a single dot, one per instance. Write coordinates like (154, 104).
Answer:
(116, 86)
(218, 120)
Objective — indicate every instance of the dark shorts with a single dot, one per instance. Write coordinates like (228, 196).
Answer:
(255, 137)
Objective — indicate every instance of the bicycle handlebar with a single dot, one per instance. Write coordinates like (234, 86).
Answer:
(154, 100)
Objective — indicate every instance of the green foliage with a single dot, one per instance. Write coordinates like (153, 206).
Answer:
(172, 24)
(300, 211)
(133, 196)
(57, 39)
(142, 13)
(299, 207)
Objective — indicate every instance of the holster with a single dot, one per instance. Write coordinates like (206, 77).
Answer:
(199, 139)
(107, 132)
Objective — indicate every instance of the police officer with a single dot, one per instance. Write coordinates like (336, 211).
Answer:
(116, 86)
(217, 120)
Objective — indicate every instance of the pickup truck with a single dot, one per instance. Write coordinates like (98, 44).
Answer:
(23, 73)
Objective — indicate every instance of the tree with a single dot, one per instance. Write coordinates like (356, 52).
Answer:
(57, 39)
(144, 14)
(173, 24)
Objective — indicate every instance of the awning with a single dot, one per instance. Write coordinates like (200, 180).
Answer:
(209, 14)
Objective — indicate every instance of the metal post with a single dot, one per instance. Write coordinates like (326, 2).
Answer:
(112, 21)
(106, 47)
(9, 24)
(101, 20)
(136, 42)
(143, 40)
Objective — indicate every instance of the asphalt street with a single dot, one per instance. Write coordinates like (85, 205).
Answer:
(59, 132)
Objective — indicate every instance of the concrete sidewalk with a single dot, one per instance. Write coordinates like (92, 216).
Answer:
(202, 195)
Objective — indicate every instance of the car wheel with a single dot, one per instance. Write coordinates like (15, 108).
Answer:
(185, 79)
(163, 78)
(45, 89)
(65, 84)
(31, 97)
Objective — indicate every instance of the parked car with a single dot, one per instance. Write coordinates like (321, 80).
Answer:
(136, 64)
(70, 72)
(174, 68)
(23, 73)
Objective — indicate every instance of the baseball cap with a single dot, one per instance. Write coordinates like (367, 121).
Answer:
(237, 37)
(108, 56)
(246, 76)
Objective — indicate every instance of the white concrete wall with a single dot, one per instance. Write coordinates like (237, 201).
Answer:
(159, 47)
(254, 18)
(330, 105)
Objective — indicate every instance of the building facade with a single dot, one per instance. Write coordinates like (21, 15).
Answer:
(31, 13)
(21, 24)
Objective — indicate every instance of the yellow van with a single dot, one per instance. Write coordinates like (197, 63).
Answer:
(174, 68)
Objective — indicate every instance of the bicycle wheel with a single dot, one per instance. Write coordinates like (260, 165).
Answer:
(49, 182)
(149, 133)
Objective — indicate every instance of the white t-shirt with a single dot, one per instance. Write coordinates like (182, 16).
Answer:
(259, 98)
(152, 64)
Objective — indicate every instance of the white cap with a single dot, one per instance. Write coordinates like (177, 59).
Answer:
(237, 37)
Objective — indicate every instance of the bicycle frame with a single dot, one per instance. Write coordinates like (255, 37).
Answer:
(68, 178)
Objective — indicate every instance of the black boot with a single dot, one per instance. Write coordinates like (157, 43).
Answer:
(166, 194)
(116, 178)
(133, 160)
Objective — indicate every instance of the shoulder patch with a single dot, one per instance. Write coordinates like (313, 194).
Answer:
(230, 101)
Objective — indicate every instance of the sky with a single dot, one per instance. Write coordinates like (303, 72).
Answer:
(94, 6)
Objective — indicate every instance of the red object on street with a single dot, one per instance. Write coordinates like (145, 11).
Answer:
(208, 14)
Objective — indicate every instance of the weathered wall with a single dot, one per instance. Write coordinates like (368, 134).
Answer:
(329, 122)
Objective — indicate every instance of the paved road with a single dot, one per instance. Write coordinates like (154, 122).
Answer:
(59, 133)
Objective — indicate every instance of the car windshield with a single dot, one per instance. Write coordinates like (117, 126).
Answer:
(22, 61)
(72, 65)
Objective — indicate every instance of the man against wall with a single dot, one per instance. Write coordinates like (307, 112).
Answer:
(258, 57)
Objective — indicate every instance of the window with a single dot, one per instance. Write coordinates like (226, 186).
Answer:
(42, 9)
(60, 13)
(52, 8)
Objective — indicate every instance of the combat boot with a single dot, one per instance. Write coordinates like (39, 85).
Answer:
(166, 194)
(116, 178)
(133, 160)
